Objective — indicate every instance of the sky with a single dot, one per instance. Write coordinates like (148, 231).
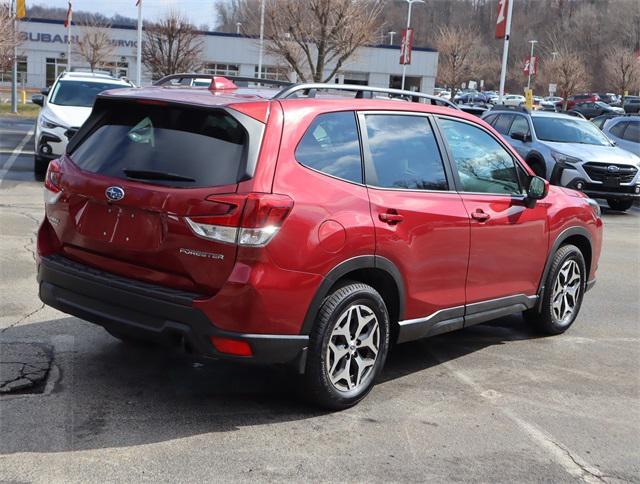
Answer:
(197, 11)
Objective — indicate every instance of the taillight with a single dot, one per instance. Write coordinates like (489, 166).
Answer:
(52, 186)
(254, 226)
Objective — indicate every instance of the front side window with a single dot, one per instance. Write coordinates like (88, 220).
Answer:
(519, 125)
(331, 145)
(632, 132)
(80, 93)
(618, 129)
(483, 165)
(503, 123)
(404, 153)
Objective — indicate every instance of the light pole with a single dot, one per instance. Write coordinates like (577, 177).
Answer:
(261, 39)
(555, 54)
(391, 34)
(404, 65)
(238, 25)
(532, 42)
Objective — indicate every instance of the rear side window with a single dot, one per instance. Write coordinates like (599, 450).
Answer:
(404, 153)
(331, 145)
(165, 145)
(490, 119)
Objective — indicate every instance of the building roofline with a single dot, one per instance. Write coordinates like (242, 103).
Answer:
(207, 33)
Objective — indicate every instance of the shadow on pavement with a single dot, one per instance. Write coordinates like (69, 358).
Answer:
(112, 394)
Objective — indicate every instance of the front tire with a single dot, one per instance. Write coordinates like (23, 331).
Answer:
(564, 289)
(347, 347)
(619, 205)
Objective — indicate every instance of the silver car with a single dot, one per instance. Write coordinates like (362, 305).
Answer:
(624, 131)
(571, 152)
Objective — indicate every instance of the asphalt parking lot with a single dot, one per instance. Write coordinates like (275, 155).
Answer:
(492, 403)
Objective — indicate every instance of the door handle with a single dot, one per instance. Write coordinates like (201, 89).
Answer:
(392, 217)
(480, 216)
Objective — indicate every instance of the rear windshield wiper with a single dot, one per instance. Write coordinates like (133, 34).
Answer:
(156, 175)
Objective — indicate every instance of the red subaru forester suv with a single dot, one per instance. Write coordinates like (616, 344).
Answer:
(289, 226)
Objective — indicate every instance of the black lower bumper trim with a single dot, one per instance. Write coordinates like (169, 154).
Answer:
(612, 195)
(148, 312)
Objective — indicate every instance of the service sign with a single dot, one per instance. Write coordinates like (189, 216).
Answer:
(406, 46)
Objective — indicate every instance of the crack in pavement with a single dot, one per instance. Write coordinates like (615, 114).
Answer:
(23, 318)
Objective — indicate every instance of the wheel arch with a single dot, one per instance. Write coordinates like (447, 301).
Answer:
(536, 158)
(376, 271)
(578, 236)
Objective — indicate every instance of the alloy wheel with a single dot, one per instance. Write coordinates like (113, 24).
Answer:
(353, 348)
(566, 291)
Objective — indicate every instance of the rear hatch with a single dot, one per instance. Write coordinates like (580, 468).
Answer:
(136, 174)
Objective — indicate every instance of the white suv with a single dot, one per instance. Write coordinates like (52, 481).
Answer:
(65, 106)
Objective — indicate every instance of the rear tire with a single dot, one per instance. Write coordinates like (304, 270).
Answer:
(40, 165)
(564, 288)
(619, 205)
(348, 347)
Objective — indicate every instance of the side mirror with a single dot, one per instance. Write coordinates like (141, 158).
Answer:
(37, 99)
(45, 91)
(538, 189)
(519, 135)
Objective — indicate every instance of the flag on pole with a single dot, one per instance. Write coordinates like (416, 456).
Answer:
(501, 21)
(138, 2)
(406, 46)
(530, 66)
(21, 9)
(67, 20)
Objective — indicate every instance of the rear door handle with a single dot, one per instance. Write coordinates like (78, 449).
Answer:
(480, 216)
(391, 217)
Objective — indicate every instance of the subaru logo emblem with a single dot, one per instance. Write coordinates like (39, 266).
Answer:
(613, 169)
(114, 193)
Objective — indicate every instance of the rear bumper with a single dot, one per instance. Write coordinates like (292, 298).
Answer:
(150, 312)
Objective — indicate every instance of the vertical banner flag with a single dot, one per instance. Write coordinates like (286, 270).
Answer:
(67, 20)
(501, 21)
(406, 46)
(21, 9)
(530, 66)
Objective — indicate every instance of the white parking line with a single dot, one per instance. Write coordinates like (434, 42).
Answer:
(570, 462)
(14, 155)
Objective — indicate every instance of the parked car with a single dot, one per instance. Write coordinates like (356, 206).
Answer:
(581, 98)
(64, 108)
(549, 103)
(599, 120)
(625, 132)
(571, 152)
(609, 97)
(472, 98)
(592, 109)
(271, 226)
(514, 100)
(631, 104)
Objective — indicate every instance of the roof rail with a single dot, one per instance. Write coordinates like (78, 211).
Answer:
(365, 92)
(239, 79)
(504, 107)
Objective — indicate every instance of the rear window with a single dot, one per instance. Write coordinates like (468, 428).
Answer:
(165, 145)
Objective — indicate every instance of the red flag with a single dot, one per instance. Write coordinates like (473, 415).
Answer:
(530, 64)
(501, 22)
(406, 46)
(67, 20)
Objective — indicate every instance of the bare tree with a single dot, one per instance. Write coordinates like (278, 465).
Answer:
(172, 45)
(316, 37)
(567, 70)
(9, 38)
(623, 70)
(95, 45)
(456, 56)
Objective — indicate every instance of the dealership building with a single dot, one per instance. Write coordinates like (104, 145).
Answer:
(42, 55)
